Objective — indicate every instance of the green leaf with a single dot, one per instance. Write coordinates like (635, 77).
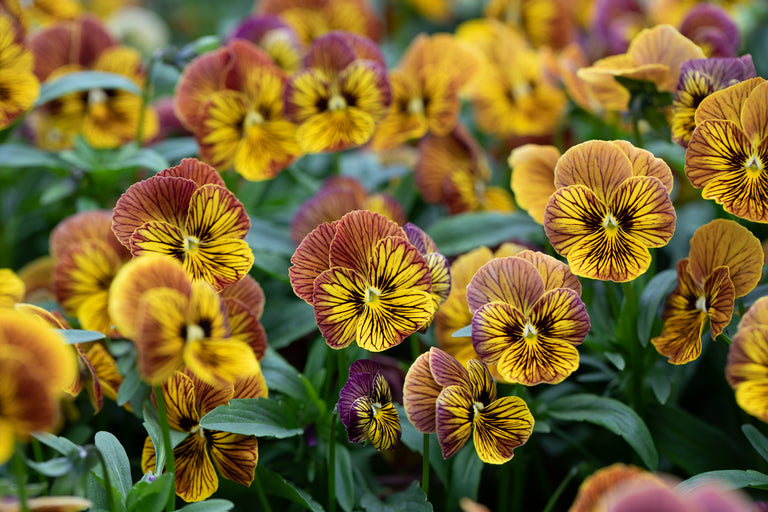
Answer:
(57, 191)
(272, 263)
(130, 385)
(275, 485)
(616, 416)
(412, 499)
(414, 440)
(653, 296)
(73, 336)
(19, 155)
(152, 426)
(84, 81)
(265, 235)
(54, 467)
(260, 417)
(661, 384)
(150, 496)
(284, 378)
(130, 156)
(286, 320)
(61, 444)
(729, 478)
(214, 505)
(345, 484)
(460, 233)
(465, 474)
(116, 461)
(756, 438)
(464, 331)
(173, 150)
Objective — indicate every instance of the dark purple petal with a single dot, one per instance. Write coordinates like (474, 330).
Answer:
(419, 239)
(255, 28)
(358, 385)
(711, 26)
(365, 366)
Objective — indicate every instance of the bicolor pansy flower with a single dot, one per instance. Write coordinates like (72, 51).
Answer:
(104, 117)
(454, 170)
(232, 100)
(454, 314)
(611, 205)
(244, 302)
(725, 262)
(440, 395)
(654, 55)
(366, 408)
(276, 37)
(747, 366)
(425, 90)
(366, 281)
(698, 79)
(36, 367)
(12, 288)
(176, 323)
(337, 196)
(533, 177)
(712, 28)
(188, 213)
(728, 151)
(528, 317)
(18, 83)
(438, 264)
(543, 22)
(202, 452)
(87, 257)
(340, 94)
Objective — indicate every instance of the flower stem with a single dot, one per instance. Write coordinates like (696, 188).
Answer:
(262, 497)
(20, 471)
(560, 488)
(107, 482)
(415, 346)
(722, 337)
(425, 466)
(169, 462)
(146, 97)
(332, 465)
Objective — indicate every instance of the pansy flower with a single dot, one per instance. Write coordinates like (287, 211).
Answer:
(611, 205)
(12, 288)
(314, 18)
(698, 79)
(274, 36)
(244, 302)
(366, 408)
(725, 262)
(747, 367)
(533, 177)
(527, 317)
(728, 151)
(176, 323)
(425, 90)
(188, 213)
(542, 22)
(36, 366)
(202, 452)
(232, 100)
(337, 196)
(104, 117)
(440, 395)
(366, 281)
(454, 314)
(615, 23)
(17, 81)
(654, 55)
(438, 264)
(87, 257)
(340, 94)
(711, 27)
(454, 170)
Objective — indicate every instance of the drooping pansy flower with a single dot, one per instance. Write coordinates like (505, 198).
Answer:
(337, 196)
(527, 317)
(511, 101)
(244, 302)
(366, 408)
(698, 79)
(18, 83)
(366, 281)
(542, 22)
(232, 100)
(728, 151)
(654, 55)
(202, 452)
(438, 264)
(440, 395)
(747, 367)
(454, 170)
(36, 367)
(87, 257)
(104, 117)
(611, 205)
(725, 262)
(454, 314)
(711, 27)
(533, 177)
(176, 323)
(340, 94)
(11, 288)
(188, 213)
(276, 37)
(425, 90)
(314, 18)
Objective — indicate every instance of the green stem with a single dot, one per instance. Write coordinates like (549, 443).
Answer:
(146, 96)
(634, 365)
(425, 466)
(636, 130)
(724, 338)
(262, 496)
(169, 462)
(415, 346)
(560, 488)
(20, 471)
(107, 482)
(332, 465)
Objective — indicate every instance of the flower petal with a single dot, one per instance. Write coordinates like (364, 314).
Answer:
(643, 210)
(495, 327)
(220, 361)
(645, 164)
(597, 164)
(721, 298)
(446, 370)
(193, 169)
(572, 213)
(195, 475)
(220, 262)
(726, 104)
(453, 419)
(501, 427)
(511, 280)
(159, 342)
(375, 422)
(395, 316)
(235, 456)
(310, 259)
(420, 392)
(358, 386)
(481, 382)
(554, 272)
(179, 397)
(533, 177)
(754, 116)
(616, 257)
(156, 237)
(339, 301)
(355, 239)
(335, 130)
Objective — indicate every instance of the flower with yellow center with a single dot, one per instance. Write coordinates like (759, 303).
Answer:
(19, 87)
